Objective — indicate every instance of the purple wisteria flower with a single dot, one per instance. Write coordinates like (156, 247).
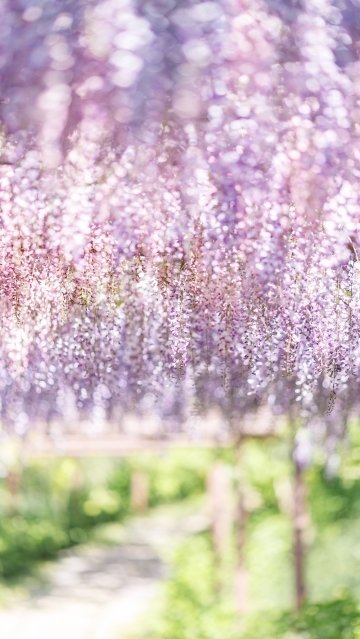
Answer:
(179, 193)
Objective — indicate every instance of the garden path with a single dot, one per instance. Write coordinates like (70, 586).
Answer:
(100, 591)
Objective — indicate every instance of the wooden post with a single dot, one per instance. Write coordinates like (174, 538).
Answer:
(139, 494)
(220, 497)
(13, 485)
(241, 581)
(241, 584)
(299, 522)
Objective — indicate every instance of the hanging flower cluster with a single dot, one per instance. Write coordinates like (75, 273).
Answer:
(179, 194)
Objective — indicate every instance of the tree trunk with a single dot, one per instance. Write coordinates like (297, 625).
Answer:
(299, 521)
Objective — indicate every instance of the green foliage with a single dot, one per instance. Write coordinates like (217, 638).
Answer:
(264, 466)
(60, 502)
(269, 563)
(332, 498)
(178, 475)
(335, 619)
(22, 542)
(192, 608)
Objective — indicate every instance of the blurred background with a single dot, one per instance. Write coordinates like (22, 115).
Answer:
(177, 541)
(147, 110)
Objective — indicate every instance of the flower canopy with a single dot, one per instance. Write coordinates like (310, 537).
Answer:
(179, 193)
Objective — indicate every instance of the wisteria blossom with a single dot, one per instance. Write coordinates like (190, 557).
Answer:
(179, 193)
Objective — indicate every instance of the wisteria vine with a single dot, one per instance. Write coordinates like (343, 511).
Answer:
(179, 193)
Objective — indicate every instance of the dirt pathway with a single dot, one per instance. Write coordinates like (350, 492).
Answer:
(100, 591)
